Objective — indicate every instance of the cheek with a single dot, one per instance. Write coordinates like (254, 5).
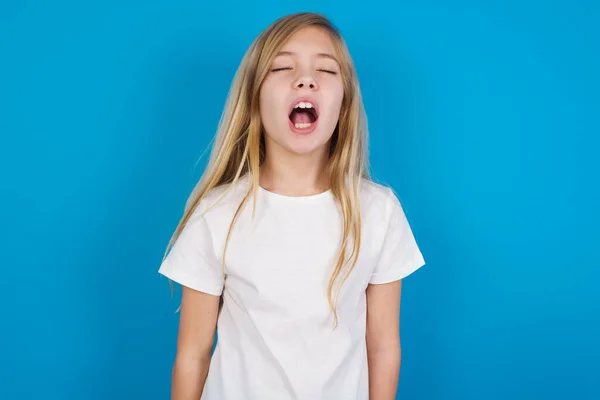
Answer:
(336, 95)
(269, 102)
(263, 101)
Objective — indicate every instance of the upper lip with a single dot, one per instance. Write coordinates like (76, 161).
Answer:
(309, 99)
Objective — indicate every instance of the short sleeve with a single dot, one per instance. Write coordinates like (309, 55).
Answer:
(192, 261)
(400, 255)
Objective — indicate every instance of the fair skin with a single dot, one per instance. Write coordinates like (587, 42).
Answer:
(197, 326)
(295, 165)
(306, 66)
(383, 339)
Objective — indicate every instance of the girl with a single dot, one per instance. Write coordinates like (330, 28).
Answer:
(286, 247)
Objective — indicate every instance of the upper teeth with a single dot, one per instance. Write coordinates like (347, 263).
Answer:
(304, 104)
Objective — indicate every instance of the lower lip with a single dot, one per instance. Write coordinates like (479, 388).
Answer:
(303, 131)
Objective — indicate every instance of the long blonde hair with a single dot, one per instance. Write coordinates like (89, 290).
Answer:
(239, 147)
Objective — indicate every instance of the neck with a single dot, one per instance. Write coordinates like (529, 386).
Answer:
(295, 175)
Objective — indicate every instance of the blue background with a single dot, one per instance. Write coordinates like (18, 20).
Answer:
(484, 117)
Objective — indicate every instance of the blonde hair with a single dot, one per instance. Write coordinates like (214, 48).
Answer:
(239, 148)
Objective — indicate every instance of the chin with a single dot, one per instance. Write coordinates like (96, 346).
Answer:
(305, 145)
(302, 151)
(299, 144)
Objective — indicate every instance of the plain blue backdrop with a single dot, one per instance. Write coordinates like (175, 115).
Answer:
(484, 117)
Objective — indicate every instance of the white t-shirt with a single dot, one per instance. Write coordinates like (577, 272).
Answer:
(276, 336)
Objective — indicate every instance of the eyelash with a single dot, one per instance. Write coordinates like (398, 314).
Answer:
(289, 68)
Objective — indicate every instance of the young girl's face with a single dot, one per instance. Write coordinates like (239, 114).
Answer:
(301, 96)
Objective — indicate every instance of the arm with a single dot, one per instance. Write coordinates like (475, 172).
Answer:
(383, 339)
(197, 326)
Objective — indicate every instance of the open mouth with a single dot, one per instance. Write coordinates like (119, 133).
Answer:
(303, 115)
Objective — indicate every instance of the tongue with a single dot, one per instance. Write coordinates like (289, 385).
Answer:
(301, 117)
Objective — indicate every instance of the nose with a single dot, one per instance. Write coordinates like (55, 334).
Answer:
(306, 81)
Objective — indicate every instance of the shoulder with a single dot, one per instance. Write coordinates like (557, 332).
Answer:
(222, 200)
(380, 204)
(374, 195)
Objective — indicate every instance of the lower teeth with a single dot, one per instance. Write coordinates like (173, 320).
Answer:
(303, 126)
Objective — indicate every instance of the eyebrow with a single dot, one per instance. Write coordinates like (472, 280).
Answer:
(322, 55)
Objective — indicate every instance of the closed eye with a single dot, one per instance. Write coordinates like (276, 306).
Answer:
(328, 71)
(280, 69)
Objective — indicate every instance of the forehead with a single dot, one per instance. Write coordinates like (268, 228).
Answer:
(312, 39)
